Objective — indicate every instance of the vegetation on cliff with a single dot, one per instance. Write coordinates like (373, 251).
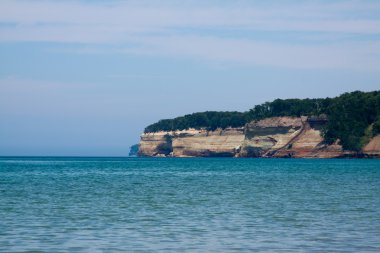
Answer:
(209, 120)
(376, 127)
(353, 117)
(133, 150)
(350, 116)
(289, 107)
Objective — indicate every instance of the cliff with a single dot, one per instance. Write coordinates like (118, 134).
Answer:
(221, 143)
(373, 147)
(190, 143)
(270, 137)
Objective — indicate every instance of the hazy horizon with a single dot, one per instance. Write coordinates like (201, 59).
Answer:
(84, 78)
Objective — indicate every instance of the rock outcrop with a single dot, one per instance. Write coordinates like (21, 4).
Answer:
(221, 143)
(263, 138)
(272, 137)
(373, 147)
(190, 143)
(150, 143)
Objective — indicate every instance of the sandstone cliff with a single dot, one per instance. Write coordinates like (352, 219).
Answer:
(263, 138)
(373, 147)
(190, 143)
(271, 137)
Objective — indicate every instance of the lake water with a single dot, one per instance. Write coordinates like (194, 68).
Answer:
(189, 205)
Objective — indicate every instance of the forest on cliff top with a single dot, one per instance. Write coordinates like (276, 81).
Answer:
(353, 118)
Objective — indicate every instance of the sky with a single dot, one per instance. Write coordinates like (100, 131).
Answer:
(84, 78)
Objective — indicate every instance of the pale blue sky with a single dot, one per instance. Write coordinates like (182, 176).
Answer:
(86, 77)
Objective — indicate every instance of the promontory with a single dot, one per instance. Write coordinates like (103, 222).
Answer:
(344, 126)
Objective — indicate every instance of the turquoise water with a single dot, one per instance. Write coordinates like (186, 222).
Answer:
(189, 205)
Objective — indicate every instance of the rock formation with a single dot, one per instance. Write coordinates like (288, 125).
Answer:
(221, 143)
(263, 138)
(373, 147)
(191, 142)
(270, 137)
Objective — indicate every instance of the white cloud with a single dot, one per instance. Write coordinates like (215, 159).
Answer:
(142, 17)
(351, 55)
(177, 29)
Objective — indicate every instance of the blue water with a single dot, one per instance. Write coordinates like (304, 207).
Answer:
(189, 205)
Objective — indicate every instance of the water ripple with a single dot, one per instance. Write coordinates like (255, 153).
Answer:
(189, 205)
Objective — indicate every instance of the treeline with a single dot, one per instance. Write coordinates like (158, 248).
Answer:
(289, 107)
(353, 117)
(212, 120)
(208, 120)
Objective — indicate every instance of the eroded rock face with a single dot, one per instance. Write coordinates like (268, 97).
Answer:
(221, 143)
(373, 147)
(264, 137)
(272, 137)
(193, 143)
(150, 143)
(309, 144)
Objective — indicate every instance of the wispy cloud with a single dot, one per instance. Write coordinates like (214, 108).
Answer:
(357, 55)
(142, 27)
